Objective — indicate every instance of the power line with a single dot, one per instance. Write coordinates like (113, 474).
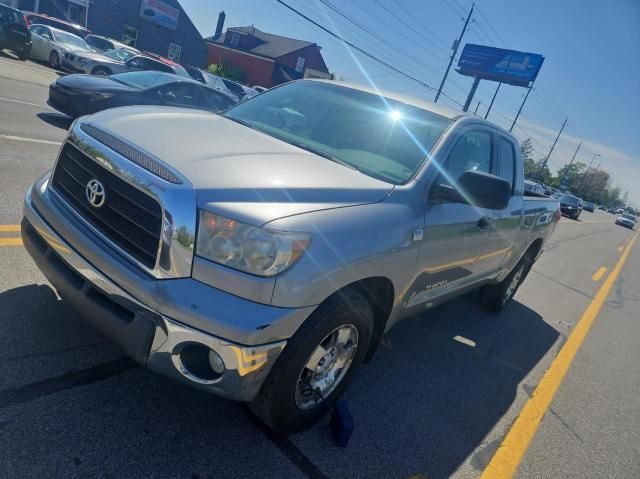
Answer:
(491, 26)
(375, 35)
(422, 24)
(399, 32)
(393, 14)
(457, 12)
(357, 48)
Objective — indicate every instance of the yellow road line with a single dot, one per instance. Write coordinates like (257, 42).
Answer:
(508, 456)
(10, 241)
(9, 228)
(599, 274)
(620, 248)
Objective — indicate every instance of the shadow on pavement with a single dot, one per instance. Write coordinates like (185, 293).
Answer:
(424, 404)
(56, 119)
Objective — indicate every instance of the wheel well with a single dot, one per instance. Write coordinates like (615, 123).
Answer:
(380, 294)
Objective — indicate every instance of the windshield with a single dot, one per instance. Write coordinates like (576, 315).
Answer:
(120, 54)
(570, 200)
(142, 80)
(380, 137)
(70, 39)
(627, 216)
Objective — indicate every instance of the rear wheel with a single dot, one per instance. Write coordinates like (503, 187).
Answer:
(102, 71)
(54, 60)
(497, 297)
(317, 364)
(23, 55)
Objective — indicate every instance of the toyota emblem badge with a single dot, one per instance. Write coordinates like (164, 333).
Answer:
(95, 193)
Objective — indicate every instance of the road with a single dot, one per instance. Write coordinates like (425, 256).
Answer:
(437, 400)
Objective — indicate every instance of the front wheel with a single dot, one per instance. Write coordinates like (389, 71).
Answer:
(54, 60)
(497, 297)
(23, 55)
(317, 364)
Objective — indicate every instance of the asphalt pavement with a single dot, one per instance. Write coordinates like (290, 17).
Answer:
(437, 400)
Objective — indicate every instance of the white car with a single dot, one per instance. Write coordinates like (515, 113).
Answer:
(533, 187)
(51, 44)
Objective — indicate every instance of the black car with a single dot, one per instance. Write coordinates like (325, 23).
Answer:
(589, 207)
(14, 32)
(77, 95)
(570, 206)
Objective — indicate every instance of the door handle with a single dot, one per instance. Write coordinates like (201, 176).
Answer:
(483, 223)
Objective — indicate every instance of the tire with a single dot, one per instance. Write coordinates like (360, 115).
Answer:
(54, 60)
(23, 56)
(496, 297)
(277, 403)
(103, 71)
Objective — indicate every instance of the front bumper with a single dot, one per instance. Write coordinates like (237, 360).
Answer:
(146, 334)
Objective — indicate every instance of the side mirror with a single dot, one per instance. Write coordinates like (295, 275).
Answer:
(477, 188)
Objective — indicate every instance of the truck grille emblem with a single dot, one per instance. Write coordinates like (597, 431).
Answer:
(95, 193)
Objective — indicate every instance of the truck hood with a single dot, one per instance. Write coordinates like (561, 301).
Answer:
(238, 171)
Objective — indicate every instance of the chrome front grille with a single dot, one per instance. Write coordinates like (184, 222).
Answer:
(129, 218)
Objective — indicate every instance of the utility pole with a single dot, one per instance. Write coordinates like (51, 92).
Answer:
(585, 173)
(544, 163)
(456, 44)
(475, 112)
(564, 177)
(474, 87)
(521, 107)
(492, 100)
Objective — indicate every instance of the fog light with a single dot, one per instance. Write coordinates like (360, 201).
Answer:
(216, 362)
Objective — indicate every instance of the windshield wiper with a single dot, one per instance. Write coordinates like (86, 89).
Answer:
(322, 153)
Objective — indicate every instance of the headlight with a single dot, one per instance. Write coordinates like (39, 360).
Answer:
(247, 248)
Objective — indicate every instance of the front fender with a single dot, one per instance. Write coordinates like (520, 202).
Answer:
(350, 244)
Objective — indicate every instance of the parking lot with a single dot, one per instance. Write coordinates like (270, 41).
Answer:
(437, 400)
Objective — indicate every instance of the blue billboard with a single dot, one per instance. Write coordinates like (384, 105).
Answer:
(497, 64)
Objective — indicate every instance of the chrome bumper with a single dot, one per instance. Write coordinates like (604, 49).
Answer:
(149, 336)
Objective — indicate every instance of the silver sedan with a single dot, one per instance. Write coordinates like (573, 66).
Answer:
(51, 44)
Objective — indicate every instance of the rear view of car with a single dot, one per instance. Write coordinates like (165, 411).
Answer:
(627, 220)
(589, 207)
(14, 32)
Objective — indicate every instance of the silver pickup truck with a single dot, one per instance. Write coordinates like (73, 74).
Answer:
(261, 254)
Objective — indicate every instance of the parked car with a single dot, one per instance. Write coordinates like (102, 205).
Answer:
(119, 60)
(77, 95)
(51, 44)
(41, 19)
(588, 206)
(237, 253)
(602, 207)
(533, 187)
(627, 220)
(208, 78)
(104, 44)
(14, 32)
(239, 90)
(571, 206)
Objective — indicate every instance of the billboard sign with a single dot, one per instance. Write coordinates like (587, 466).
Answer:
(159, 12)
(497, 64)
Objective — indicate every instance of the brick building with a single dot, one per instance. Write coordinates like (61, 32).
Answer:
(264, 58)
(157, 26)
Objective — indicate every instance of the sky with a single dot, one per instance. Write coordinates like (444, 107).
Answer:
(591, 72)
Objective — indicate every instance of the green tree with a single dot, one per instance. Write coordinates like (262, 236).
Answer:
(227, 70)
